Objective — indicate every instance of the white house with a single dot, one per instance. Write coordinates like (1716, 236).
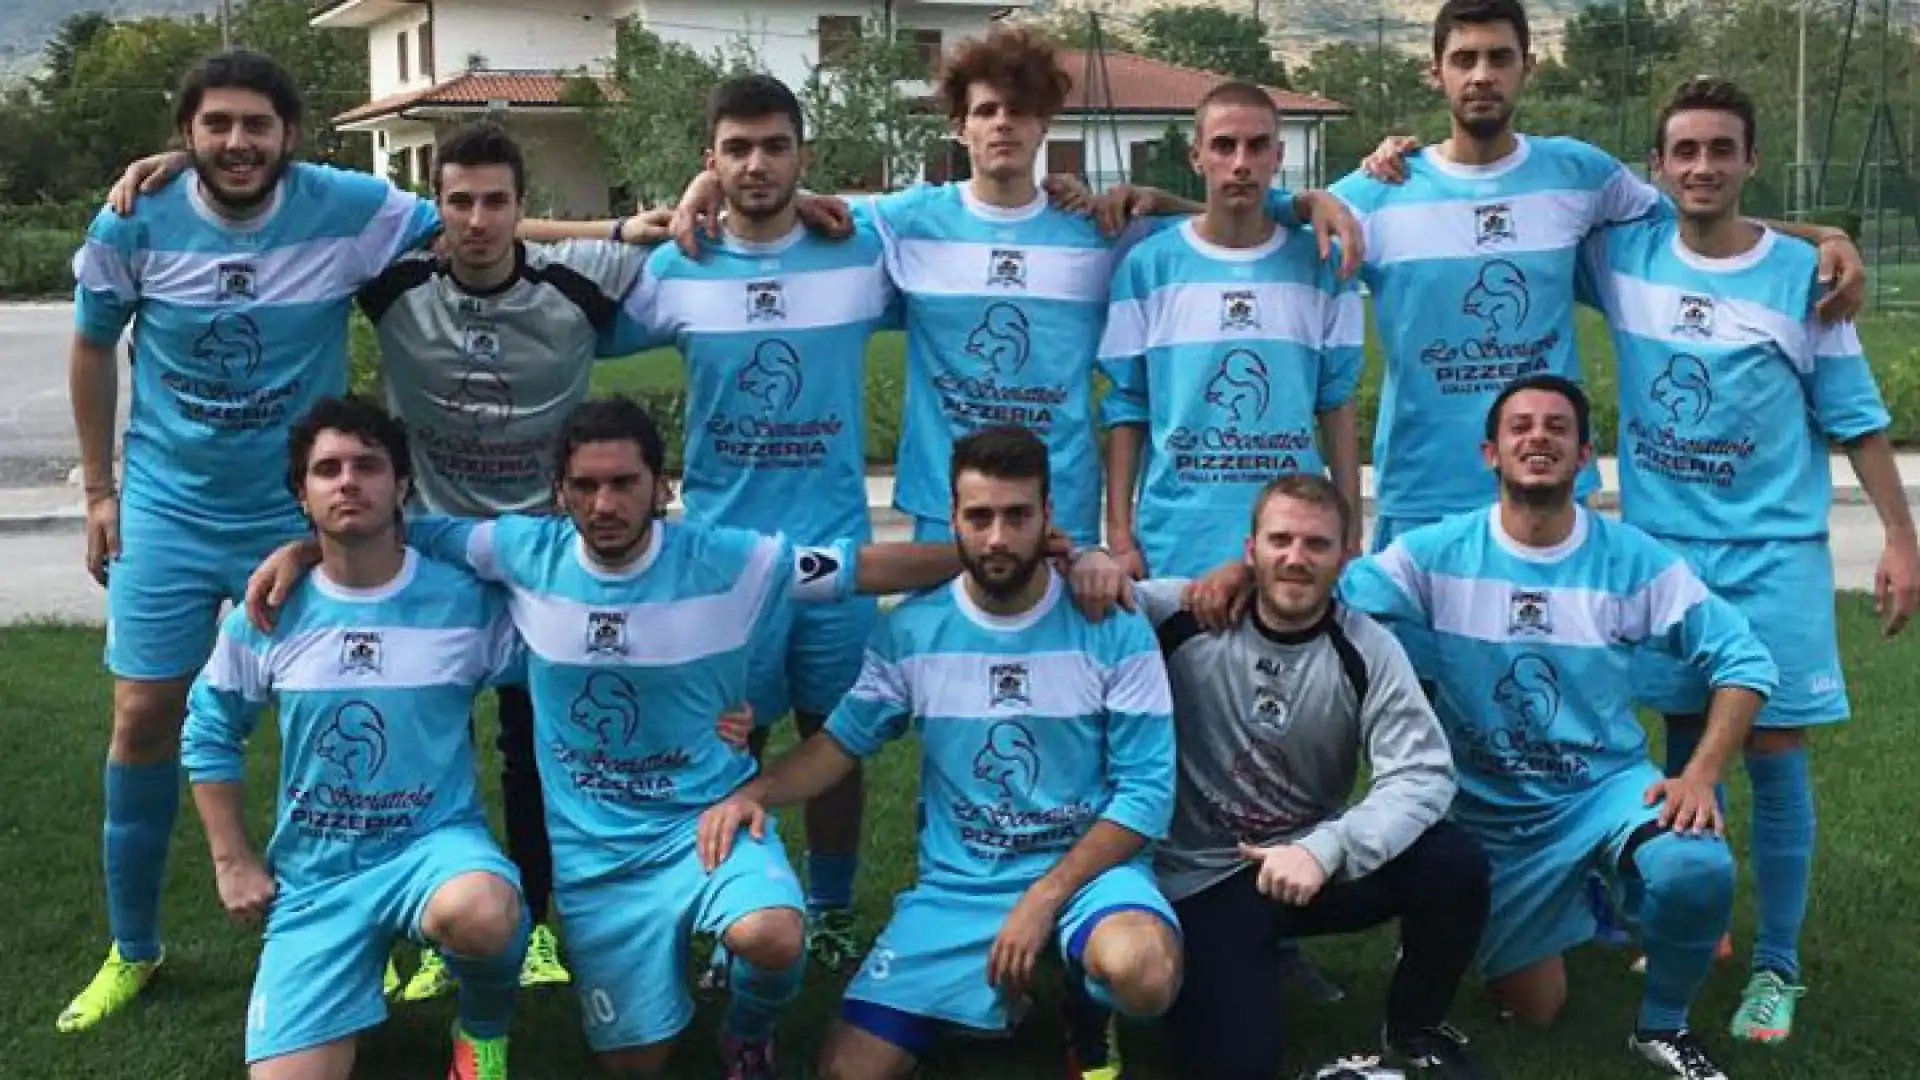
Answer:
(435, 63)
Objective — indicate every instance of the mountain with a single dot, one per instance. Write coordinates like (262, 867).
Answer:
(25, 25)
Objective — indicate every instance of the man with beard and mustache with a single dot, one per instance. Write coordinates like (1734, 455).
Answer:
(1272, 718)
(1471, 251)
(1537, 609)
(1047, 767)
(772, 323)
(380, 832)
(237, 282)
(1727, 373)
(649, 627)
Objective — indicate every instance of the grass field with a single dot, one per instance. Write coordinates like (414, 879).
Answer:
(1863, 955)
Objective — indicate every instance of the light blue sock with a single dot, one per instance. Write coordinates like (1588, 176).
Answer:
(1682, 741)
(1782, 852)
(758, 997)
(488, 983)
(1686, 902)
(830, 881)
(141, 803)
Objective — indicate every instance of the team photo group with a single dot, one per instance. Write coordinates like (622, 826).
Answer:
(1175, 708)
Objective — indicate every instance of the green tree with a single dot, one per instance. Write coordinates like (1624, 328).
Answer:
(867, 131)
(1211, 39)
(117, 102)
(1610, 49)
(1387, 89)
(61, 55)
(1169, 165)
(651, 115)
(329, 66)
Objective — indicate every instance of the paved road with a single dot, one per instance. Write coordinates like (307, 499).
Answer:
(36, 422)
(43, 576)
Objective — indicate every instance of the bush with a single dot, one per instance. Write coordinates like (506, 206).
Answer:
(36, 264)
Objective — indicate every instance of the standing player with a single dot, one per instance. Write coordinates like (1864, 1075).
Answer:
(772, 324)
(1731, 389)
(380, 832)
(1047, 767)
(237, 282)
(1536, 607)
(1226, 339)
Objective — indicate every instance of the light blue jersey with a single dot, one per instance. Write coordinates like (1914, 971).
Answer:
(1472, 271)
(774, 337)
(1730, 384)
(1032, 727)
(1227, 357)
(630, 671)
(373, 689)
(238, 329)
(1536, 645)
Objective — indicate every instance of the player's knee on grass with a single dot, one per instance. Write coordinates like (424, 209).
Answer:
(771, 939)
(637, 1062)
(1534, 995)
(1137, 956)
(475, 914)
(330, 1061)
(852, 1054)
(147, 715)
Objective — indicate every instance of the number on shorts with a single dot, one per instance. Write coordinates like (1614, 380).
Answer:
(880, 964)
(599, 1008)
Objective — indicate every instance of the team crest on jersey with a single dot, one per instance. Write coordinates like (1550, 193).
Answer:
(234, 281)
(1695, 317)
(360, 652)
(766, 301)
(1492, 224)
(1009, 686)
(1529, 613)
(1239, 310)
(1007, 268)
(1268, 708)
(480, 342)
(606, 633)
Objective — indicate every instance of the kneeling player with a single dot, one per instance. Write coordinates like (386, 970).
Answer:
(380, 833)
(1048, 766)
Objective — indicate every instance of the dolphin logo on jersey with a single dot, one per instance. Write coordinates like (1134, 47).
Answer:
(606, 707)
(1684, 389)
(1241, 386)
(233, 342)
(1499, 297)
(1008, 760)
(1001, 341)
(772, 376)
(482, 397)
(354, 742)
(1529, 693)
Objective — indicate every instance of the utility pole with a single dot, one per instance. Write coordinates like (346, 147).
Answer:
(226, 24)
(1800, 186)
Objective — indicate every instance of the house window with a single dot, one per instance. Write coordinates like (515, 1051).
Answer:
(1067, 156)
(401, 52)
(926, 47)
(425, 36)
(423, 166)
(838, 35)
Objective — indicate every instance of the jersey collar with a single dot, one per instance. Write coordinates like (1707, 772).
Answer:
(1532, 554)
(656, 539)
(1011, 623)
(1522, 147)
(349, 594)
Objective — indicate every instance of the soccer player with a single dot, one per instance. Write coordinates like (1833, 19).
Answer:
(1536, 607)
(772, 324)
(1272, 718)
(1227, 338)
(1004, 295)
(379, 831)
(1731, 388)
(237, 282)
(1047, 766)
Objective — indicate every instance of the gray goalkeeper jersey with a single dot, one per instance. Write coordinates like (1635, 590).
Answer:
(1271, 731)
(485, 380)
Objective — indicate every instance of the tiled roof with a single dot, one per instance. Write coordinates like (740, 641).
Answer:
(519, 89)
(1140, 84)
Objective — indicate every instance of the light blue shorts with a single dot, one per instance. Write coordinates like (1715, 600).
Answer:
(930, 963)
(1418, 641)
(809, 664)
(325, 950)
(629, 938)
(1539, 870)
(1785, 589)
(165, 590)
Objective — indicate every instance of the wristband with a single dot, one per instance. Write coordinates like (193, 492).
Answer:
(619, 227)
